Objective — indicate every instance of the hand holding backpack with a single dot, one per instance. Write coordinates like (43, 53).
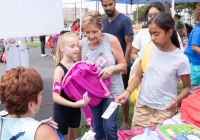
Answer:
(82, 78)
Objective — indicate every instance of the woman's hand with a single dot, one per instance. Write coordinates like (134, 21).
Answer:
(81, 103)
(50, 122)
(106, 72)
(173, 106)
(121, 99)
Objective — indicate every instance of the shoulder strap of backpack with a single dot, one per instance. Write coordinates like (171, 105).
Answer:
(146, 56)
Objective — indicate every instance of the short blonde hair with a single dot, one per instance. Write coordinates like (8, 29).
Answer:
(92, 17)
(62, 40)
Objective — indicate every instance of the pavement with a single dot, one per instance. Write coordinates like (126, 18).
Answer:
(45, 66)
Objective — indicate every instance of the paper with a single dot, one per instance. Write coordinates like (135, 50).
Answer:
(85, 96)
(111, 108)
(88, 135)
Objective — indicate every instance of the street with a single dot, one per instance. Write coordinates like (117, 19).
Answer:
(45, 66)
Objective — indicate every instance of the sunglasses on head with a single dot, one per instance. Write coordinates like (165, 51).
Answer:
(62, 32)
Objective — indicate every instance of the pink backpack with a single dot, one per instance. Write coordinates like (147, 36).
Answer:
(82, 78)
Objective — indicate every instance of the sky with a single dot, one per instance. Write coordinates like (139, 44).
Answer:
(92, 6)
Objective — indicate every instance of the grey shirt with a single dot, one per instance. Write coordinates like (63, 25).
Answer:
(163, 72)
(102, 56)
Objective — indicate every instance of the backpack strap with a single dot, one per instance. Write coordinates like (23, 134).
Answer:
(146, 56)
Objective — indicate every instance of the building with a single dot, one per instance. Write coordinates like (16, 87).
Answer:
(70, 14)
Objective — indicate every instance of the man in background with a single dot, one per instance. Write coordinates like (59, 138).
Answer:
(120, 25)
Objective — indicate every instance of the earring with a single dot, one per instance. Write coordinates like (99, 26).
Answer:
(32, 114)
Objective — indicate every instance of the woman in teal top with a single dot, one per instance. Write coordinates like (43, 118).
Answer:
(193, 50)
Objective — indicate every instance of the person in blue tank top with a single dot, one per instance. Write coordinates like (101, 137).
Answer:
(193, 50)
(21, 95)
(120, 25)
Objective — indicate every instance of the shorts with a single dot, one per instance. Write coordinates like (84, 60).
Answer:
(55, 40)
(145, 116)
(195, 74)
(67, 117)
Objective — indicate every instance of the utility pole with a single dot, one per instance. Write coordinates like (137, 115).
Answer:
(75, 10)
(137, 10)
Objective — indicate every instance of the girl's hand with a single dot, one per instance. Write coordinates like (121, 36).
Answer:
(89, 63)
(50, 122)
(81, 103)
(173, 106)
(121, 99)
(106, 72)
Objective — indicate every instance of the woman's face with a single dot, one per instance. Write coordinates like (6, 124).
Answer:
(78, 23)
(93, 33)
(152, 12)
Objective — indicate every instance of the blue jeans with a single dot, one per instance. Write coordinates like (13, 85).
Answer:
(105, 128)
(42, 42)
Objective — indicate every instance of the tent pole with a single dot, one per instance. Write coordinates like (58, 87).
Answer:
(130, 12)
(173, 12)
(80, 33)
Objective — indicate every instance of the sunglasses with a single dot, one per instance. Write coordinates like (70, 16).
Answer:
(62, 32)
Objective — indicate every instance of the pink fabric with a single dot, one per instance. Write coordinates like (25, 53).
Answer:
(82, 78)
(57, 87)
(56, 35)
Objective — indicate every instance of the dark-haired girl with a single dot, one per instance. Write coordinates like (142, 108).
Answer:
(143, 37)
(166, 65)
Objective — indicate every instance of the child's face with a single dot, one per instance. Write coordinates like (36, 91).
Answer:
(182, 32)
(159, 36)
(71, 48)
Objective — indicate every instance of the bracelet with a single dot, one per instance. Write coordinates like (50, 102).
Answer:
(128, 91)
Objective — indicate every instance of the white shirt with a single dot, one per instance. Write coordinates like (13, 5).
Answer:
(143, 38)
(162, 74)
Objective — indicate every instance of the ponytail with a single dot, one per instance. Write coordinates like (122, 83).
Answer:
(174, 39)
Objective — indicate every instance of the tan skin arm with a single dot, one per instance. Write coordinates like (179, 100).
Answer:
(134, 53)
(45, 132)
(128, 41)
(186, 88)
(132, 85)
(196, 49)
(119, 58)
(58, 74)
(118, 55)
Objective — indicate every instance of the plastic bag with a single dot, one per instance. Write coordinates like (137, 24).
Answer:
(129, 134)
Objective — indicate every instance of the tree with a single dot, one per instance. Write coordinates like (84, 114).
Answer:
(103, 15)
(141, 11)
(186, 7)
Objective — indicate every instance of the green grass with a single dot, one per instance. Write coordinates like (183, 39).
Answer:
(34, 44)
(84, 128)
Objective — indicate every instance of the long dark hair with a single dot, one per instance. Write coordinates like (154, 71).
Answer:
(75, 21)
(166, 22)
(157, 5)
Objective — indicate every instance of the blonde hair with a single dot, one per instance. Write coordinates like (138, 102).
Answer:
(92, 17)
(62, 40)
